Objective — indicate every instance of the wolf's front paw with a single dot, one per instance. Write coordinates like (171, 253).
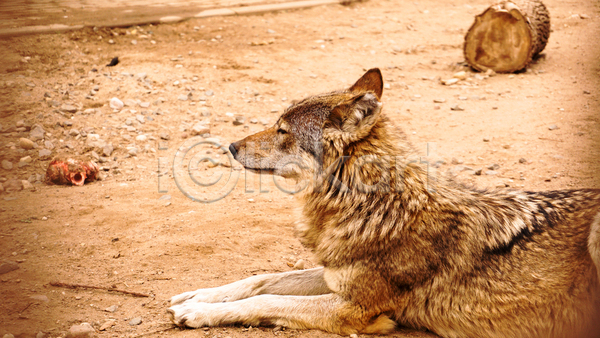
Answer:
(192, 315)
(214, 295)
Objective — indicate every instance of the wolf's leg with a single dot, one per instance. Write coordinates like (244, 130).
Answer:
(299, 283)
(324, 312)
(594, 242)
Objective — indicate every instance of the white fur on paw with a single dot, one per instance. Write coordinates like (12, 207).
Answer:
(192, 315)
(200, 296)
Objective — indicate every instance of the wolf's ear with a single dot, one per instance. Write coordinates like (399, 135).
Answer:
(371, 81)
(353, 119)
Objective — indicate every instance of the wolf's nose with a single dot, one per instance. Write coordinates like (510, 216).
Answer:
(232, 150)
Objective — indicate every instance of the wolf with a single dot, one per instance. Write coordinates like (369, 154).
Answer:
(398, 247)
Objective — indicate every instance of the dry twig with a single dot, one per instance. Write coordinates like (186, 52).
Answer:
(76, 286)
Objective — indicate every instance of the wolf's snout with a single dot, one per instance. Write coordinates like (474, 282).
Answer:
(232, 150)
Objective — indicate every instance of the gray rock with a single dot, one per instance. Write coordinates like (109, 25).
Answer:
(44, 153)
(8, 266)
(7, 165)
(26, 143)
(135, 321)
(115, 103)
(80, 331)
(36, 133)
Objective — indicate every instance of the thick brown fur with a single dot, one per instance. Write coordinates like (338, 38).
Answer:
(398, 245)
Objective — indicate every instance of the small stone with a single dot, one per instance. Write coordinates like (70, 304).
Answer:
(449, 82)
(486, 139)
(253, 121)
(522, 160)
(42, 334)
(460, 75)
(26, 143)
(74, 132)
(209, 93)
(239, 120)
(299, 265)
(164, 136)
(494, 166)
(107, 149)
(80, 331)
(457, 108)
(144, 104)
(8, 335)
(182, 97)
(133, 151)
(135, 321)
(140, 118)
(107, 325)
(68, 108)
(7, 165)
(13, 185)
(49, 145)
(439, 100)
(200, 128)
(478, 172)
(165, 198)
(112, 308)
(141, 138)
(36, 133)
(8, 266)
(491, 172)
(115, 103)
(552, 127)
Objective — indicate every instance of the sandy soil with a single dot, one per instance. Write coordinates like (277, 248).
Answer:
(118, 233)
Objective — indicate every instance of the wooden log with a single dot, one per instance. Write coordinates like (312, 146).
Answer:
(507, 36)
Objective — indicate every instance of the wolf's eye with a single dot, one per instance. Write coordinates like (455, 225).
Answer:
(281, 131)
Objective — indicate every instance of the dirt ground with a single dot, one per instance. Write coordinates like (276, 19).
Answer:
(136, 230)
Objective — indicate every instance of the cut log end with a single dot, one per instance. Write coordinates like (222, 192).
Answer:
(506, 36)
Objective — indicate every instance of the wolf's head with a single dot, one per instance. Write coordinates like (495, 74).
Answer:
(314, 133)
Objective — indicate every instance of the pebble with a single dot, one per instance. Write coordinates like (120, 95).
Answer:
(239, 120)
(439, 100)
(486, 139)
(182, 97)
(457, 108)
(68, 108)
(115, 103)
(164, 136)
(81, 330)
(49, 145)
(522, 160)
(209, 93)
(36, 133)
(107, 325)
(107, 149)
(253, 121)
(7, 165)
(460, 75)
(8, 266)
(141, 138)
(112, 308)
(140, 118)
(494, 166)
(13, 185)
(552, 127)
(26, 143)
(133, 151)
(41, 298)
(449, 82)
(74, 132)
(491, 172)
(165, 198)
(200, 128)
(135, 321)
(8, 335)
(144, 104)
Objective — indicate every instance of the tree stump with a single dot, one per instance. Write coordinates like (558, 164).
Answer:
(507, 35)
